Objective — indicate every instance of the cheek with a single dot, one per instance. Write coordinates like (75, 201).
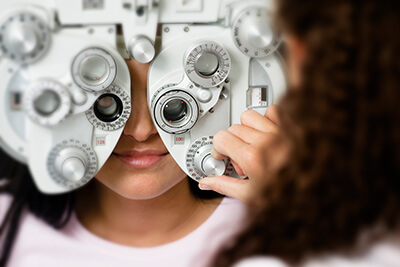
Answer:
(140, 184)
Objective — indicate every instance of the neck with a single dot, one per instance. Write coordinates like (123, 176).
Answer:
(141, 223)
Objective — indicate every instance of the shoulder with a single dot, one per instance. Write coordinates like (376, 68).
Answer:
(381, 254)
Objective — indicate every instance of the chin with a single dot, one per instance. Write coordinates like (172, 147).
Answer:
(144, 187)
(140, 184)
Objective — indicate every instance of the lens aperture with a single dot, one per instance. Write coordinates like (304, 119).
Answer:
(175, 110)
(108, 107)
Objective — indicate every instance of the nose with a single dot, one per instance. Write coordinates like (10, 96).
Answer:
(140, 125)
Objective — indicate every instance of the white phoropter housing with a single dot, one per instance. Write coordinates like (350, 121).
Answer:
(65, 91)
(206, 74)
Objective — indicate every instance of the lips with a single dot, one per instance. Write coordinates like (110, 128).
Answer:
(140, 159)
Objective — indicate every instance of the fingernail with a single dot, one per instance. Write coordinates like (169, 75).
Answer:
(204, 187)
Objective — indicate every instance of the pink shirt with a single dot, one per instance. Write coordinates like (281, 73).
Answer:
(39, 245)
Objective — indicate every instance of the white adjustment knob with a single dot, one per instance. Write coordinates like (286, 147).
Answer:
(212, 166)
(73, 169)
(260, 35)
(207, 164)
(22, 39)
(141, 49)
(25, 37)
(71, 164)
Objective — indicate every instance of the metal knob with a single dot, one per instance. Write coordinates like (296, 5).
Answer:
(212, 166)
(141, 49)
(207, 164)
(260, 35)
(25, 37)
(73, 169)
(71, 164)
(207, 64)
(47, 102)
(22, 39)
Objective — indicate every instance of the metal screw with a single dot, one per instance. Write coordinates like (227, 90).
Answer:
(268, 65)
(166, 29)
(211, 110)
(110, 30)
(91, 31)
(186, 29)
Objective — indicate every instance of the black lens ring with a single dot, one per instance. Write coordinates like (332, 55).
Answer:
(112, 117)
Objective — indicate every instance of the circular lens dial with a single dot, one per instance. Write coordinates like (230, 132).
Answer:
(94, 69)
(200, 163)
(207, 64)
(72, 163)
(24, 37)
(111, 110)
(47, 102)
(253, 33)
(174, 110)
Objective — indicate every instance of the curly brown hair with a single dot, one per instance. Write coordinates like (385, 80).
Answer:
(342, 175)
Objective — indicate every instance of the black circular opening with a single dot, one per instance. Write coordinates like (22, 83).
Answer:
(108, 107)
(175, 110)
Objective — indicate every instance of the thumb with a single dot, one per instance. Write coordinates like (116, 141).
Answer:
(228, 186)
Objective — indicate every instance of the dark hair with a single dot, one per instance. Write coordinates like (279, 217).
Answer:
(342, 126)
(53, 209)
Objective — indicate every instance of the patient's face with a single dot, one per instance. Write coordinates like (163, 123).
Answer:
(140, 166)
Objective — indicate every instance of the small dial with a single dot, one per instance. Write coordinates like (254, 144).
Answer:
(47, 102)
(72, 163)
(94, 69)
(207, 64)
(253, 33)
(24, 37)
(111, 110)
(200, 163)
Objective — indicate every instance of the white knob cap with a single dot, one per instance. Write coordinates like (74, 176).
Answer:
(141, 49)
(207, 164)
(22, 39)
(73, 169)
(260, 35)
(212, 166)
(207, 64)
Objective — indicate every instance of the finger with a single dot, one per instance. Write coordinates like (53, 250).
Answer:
(255, 120)
(226, 144)
(228, 186)
(237, 168)
(272, 114)
(249, 135)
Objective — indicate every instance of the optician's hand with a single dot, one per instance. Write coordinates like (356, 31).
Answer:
(246, 144)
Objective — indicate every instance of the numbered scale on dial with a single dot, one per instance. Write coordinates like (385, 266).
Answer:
(111, 110)
(200, 163)
(72, 163)
(24, 37)
(253, 33)
(207, 64)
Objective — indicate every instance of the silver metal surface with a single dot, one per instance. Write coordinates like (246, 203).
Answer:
(200, 163)
(162, 98)
(72, 164)
(24, 37)
(207, 64)
(47, 102)
(141, 49)
(207, 164)
(94, 69)
(253, 34)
